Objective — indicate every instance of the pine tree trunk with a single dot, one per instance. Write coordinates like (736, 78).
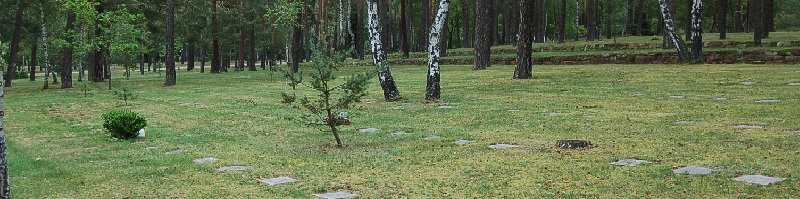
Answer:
(297, 42)
(738, 19)
(524, 43)
(540, 23)
(562, 22)
(379, 57)
(591, 20)
(466, 16)
(360, 32)
(403, 29)
(722, 16)
(444, 36)
(433, 89)
(670, 28)
(44, 49)
(629, 20)
(424, 25)
(689, 4)
(170, 37)
(251, 55)
(240, 52)
(768, 16)
(66, 63)
(216, 62)
(609, 13)
(190, 53)
(143, 57)
(697, 31)
(386, 26)
(511, 24)
(15, 40)
(34, 61)
(639, 17)
(758, 32)
(482, 34)
(202, 59)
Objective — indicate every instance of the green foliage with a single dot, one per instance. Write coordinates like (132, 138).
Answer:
(125, 93)
(123, 124)
(22, 74)
(284, 13)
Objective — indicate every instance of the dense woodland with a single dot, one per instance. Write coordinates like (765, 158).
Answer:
(87, 36)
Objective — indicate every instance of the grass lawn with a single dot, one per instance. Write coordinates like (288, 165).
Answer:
(57, 148)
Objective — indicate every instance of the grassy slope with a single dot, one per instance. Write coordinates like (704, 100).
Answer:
(57, 147)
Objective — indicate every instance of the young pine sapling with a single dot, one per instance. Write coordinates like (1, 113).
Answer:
(125, 93)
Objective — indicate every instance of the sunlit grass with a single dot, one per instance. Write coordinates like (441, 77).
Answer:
(57, 148)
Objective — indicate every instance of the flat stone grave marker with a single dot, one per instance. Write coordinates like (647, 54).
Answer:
(400, 133)
(513, 111)
(277, 181)
(797, 131)
(794, 84)
(205, 160)
(232, 168)
(502, 146)
(630, 162)
(554, 114)
(683, 122)
(152, 147)
(677, 96)
(748, 83)
(633, 119)
(693, 170)
(747, 126)
(463, 142)
(768, 101)
(336, 195)
(445, 107)
(369, 130)
(589, 116)
(720, 99)
(175, 152)
(432, 137)
(638, 94)
(758, 179)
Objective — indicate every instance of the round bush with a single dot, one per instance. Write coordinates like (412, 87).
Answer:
(123, 124)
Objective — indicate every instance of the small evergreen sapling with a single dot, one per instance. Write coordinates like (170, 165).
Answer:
(331, 99)
(125, 93)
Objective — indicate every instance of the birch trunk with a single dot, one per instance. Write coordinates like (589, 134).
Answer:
(525, 42)
(667, 41)
(44, 50)
(697, 31)
(5, 189)
(390, 92)
(433, 89)
(670, 28)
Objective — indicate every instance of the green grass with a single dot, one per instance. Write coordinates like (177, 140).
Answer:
(57, 148)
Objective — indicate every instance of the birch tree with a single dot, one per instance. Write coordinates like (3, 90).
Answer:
(670, 28)
(5, 188)
(390, 92)
(697, 31)
(433, 89)
(524, 43)
(44, 48)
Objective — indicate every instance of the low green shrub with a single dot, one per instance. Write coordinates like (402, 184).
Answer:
(22, 75)
(123, 124)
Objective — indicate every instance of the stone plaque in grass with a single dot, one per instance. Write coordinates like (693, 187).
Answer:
(677, 96)
(758, 179)
(336, 195)
(794, 84)
(693, 170)
(502, 146)
(748, 83)
(205, 160)
(369, 130)
(638, 94)
(463, 142)
(630, 162)
(232, 168)
(573, 144)
(720, 99)
(768, 101)
(399, 133)
(277, 181)
(445, 107)
(432, 137)
(175, 152)
(554, 114)
(683, 122)
(513, 111)
(747, 126)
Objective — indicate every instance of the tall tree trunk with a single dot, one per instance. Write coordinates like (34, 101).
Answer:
(609, 22)
(66, 62)
(629, 20)
(444, 35)
(424, 25)
(240, 52)
(143, 58)
(202, 59)
(216, 62)
(541, 22)
(768, 16)
(688, 32)
(722, 16)
(524, 43)
(386, 26)
(737, 26)
(639, 17)
(170, 37)
(510, 22)
(670, 28)
(390, 92)
(5, 188)
(359, 31)
(44, 48)
(466, 16)
(297, 42)
(251, 55)
(433, 89)
(591, 20)
(577, 19)
(494, 38)
(96, 67)
(190, 54)
(562, 22)
(697, 31)
(404, 29)
(34, 61)
(16, 36)
(758, 32)
(482, 34)
(668, 43)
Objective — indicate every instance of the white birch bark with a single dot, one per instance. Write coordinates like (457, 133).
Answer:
(390, 92)
(697, 30)
(4, 182)
(433, 89)
(340, 34)
(44, 50)
(670, 28)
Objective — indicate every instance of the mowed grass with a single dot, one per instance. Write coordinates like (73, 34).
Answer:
(57, 148)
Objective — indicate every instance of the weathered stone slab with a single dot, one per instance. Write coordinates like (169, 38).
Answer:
(677, 96)
(503, 146)
(463, 142)
(277, 181)
(693, 170)
(445, 107)
(205, 160)
(747, 126)
(747, 83)
(369, 130)
(432, 137)
(638, 94)
(336, 195)
(232, 168)
(794, 84)
(720, 99)
(683, 122)
(554, 114)
(768, 101)
(513, 110)
(758, 179)
(175, 152)
(573, 144)
(630, 162)
(589, 116)
(400, 133)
